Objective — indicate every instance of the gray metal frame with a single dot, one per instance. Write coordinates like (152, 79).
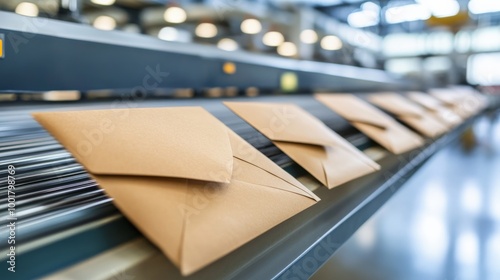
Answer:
(44, 54)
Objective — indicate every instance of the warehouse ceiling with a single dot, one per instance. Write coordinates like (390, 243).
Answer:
(379, 16)
(339, 31)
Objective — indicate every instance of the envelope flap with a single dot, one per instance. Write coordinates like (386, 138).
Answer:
(284, 122)
(247, 153)
(425, 100)
(354, 109)
(446, 96)
(396, 104)
(184, 142)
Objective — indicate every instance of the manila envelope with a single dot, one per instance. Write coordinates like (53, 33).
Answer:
(473, 100)
(322, 152)
(463, 103)
(436, 108)
(192, 186)
(410, 113)
(374, 123)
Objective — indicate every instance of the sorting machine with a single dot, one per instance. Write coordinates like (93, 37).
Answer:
(67, 228)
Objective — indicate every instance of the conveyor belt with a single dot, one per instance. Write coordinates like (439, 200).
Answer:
(57, 194)
(51, 184)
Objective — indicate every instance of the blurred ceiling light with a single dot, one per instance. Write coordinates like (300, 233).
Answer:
(168, 33)
(486, 39)
(362, 19)
(27, 9)
(441, 8)
(103, 2)
(251, 26)
(370, 6)
(104, 23)
(206, 30)
(369, 15)
(406, 13)
(273, 39)
(308, 36)
(331, 43)
(175, 15)
(484, 6)
(467, 249)
(482, 69)
(287, 49)
(463, 41)
(227, 44)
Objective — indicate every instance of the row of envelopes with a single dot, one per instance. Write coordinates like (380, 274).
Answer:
(199, 191)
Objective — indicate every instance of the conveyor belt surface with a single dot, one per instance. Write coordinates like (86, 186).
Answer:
(56, 194)
(51, 183)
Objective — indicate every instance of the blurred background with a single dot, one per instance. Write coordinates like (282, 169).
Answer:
(444, 224)
(435, 42)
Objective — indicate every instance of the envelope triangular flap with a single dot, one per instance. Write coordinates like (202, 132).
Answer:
(429, 102)
(396, 104)
(339, 171)
(260, 196)
(393, 136)
(258, 208)
(166, 142)
(447, 96)
(443, 113)
(355, 110)
(283, 122)
(264, 169)
(316, 159)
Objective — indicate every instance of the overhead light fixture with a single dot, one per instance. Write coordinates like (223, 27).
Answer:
(175, 15)
(227, 44)
(27, 9)
(103, 2)
(287, 49)
(251, 26)
(370, 6)
(206, 30)
(362, 19)
(484, 6)
(104, 23)
(308, 36)
(412, 12)
(168, 33)
(331, 43)
(369, 15)
(273, 39)
(441, 8)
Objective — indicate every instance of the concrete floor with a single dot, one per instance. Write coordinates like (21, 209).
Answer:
(443, 224)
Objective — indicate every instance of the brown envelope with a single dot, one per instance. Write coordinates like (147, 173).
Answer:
(409, 112)
(323, 153)
(464, 103)
(451, 100)
(436, 108)
(192, 186)
(475, 100)
(372, 122)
